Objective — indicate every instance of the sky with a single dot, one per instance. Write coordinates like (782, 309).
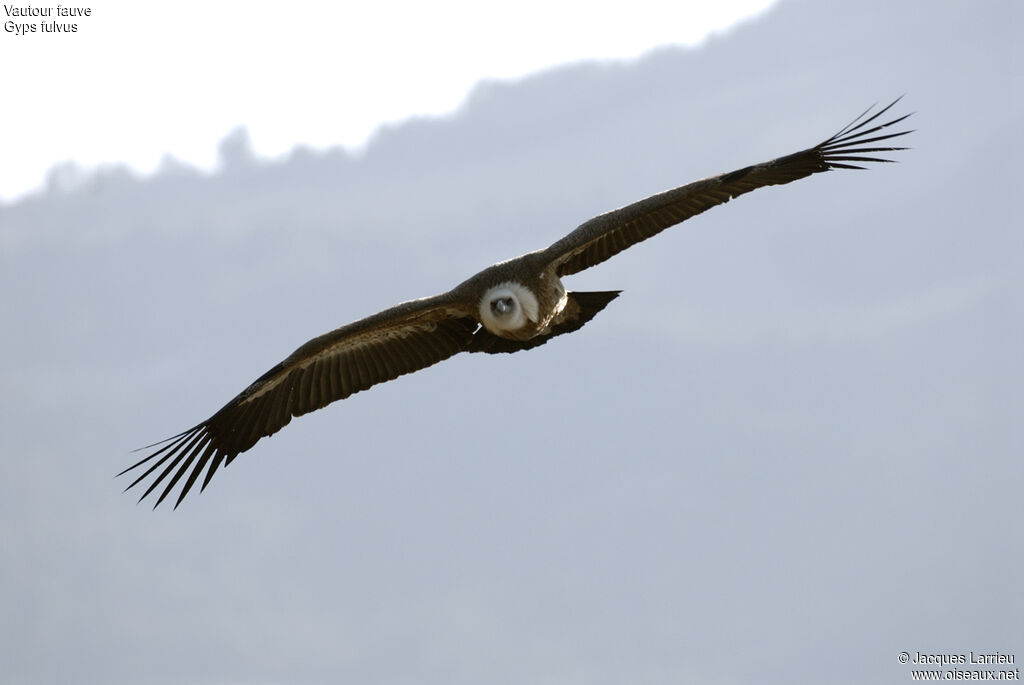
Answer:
(174, 78)
(788, 453)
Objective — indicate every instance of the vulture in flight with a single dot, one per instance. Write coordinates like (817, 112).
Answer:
(514, 305)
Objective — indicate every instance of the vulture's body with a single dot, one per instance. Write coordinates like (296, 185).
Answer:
(510, 306)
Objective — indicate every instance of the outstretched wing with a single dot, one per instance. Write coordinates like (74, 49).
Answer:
(608, 234)
(405, 338)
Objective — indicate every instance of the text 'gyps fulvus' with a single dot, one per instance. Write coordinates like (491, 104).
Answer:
(510, 306)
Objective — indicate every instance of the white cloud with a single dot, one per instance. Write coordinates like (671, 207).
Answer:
(136, 82)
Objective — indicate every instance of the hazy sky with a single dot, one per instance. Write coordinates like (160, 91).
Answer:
(176, 77)
(788, 453)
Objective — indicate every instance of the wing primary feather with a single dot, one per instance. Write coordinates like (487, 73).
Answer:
(850, 126)
(186, 459)
(200, 463)
(857, 158)
(179, 440)
(860, 140)
(182, 448)
(857, 123)
(158, 442)
(837, 165)
(858, 135)
(215, 463)
(860, 150)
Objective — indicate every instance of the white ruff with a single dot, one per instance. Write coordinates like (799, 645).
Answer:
(526, 307)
